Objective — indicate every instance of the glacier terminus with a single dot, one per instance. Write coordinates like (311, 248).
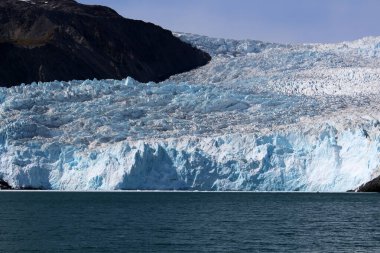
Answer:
(259, 117)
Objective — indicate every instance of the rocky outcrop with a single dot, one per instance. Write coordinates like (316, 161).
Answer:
(371, 186)
(47, 40)
(4, 185)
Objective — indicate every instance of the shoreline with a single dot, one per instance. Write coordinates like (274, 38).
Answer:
(174, 191)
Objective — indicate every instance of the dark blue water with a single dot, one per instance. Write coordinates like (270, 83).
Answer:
(189, 222)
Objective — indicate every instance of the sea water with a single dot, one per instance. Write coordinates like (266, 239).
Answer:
(188, 222)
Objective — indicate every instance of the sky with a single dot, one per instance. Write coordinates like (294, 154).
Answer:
(284, 21)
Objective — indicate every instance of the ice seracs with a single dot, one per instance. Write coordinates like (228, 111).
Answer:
(348, 68)
(259, 116)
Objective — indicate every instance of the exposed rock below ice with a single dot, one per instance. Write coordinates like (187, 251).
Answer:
(372, 186)
(4, 185)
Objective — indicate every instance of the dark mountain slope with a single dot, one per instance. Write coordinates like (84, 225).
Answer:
(371, 186)
(63, 40)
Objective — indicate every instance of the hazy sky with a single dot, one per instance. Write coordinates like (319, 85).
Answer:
(269, 20)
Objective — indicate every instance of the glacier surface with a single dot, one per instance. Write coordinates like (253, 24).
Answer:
(260, 116)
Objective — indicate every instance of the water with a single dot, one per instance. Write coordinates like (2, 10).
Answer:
(189, 222)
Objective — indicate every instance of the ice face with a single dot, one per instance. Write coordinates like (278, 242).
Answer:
(260, 116)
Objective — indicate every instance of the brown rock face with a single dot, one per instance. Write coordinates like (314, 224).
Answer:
(47, 40)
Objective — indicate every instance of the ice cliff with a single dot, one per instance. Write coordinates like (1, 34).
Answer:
(259, 116)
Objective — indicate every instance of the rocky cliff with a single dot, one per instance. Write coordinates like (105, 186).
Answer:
(64, 40)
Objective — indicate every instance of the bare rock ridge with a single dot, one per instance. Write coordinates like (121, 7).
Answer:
(371, 186)
(47, 40)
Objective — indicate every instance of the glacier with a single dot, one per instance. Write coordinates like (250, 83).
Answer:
(259, 117)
